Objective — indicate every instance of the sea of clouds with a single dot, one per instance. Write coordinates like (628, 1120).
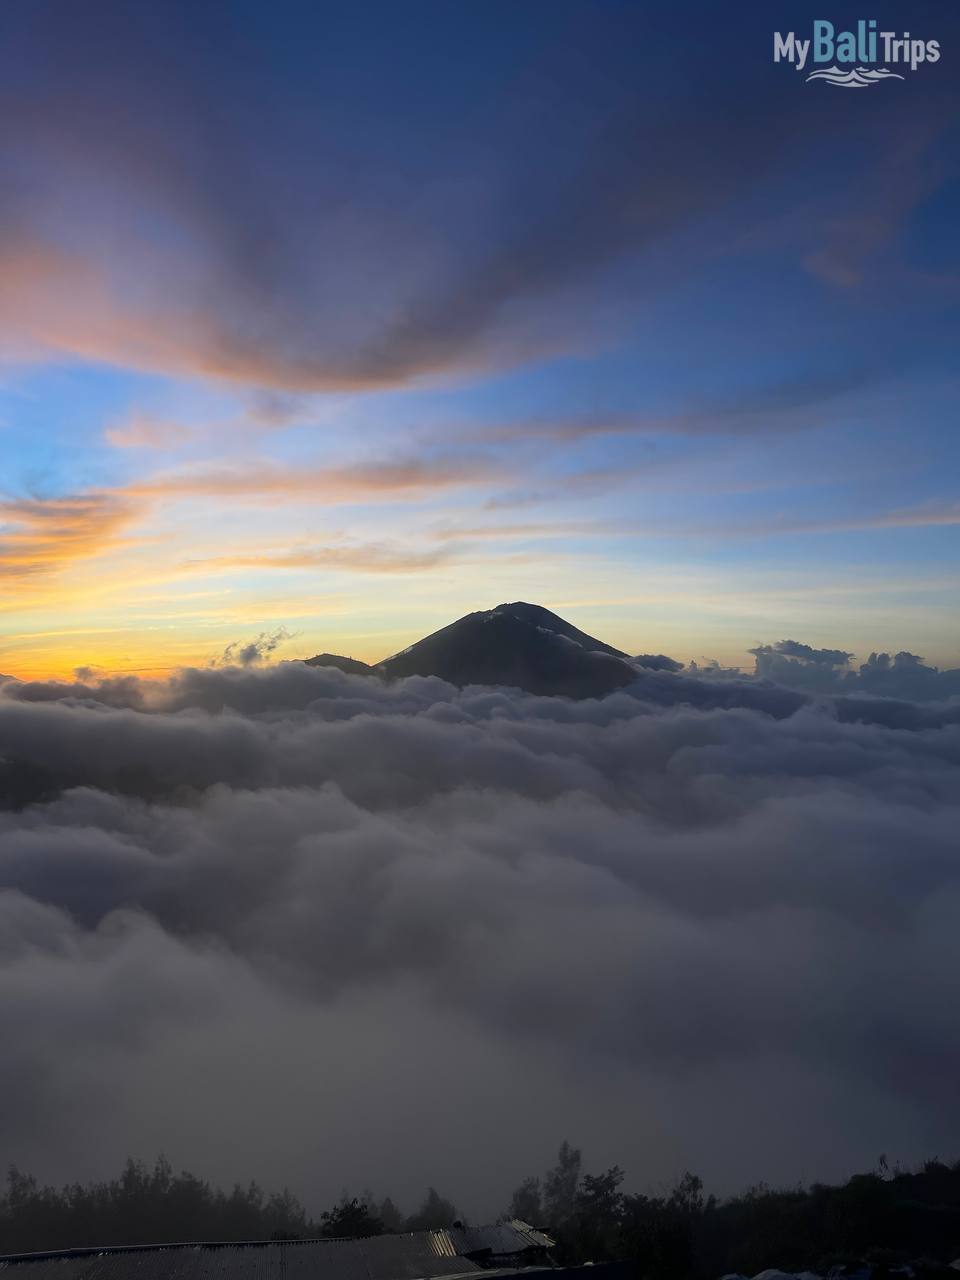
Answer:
(330, 931)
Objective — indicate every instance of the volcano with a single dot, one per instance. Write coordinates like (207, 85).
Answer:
(520, 645)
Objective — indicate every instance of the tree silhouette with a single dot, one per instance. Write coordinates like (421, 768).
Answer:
(434, 1213)
(885, 1218)
(350, 1218)
(560, 1186)
(390, 1215)
(526, 1202)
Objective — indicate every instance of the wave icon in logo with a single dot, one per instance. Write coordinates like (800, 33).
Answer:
(857, 78)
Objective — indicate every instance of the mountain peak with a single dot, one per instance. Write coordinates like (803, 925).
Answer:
(521, 645)
(537, 615)
(518, 644)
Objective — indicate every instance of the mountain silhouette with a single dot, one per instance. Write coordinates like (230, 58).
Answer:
(520, 645)
(352, 666)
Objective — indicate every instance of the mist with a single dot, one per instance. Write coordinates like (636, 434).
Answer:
(338, 933)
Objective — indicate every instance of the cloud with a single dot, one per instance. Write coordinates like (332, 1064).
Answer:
(798, 654)
(406, 910)
(43, 535)
(800, 402)
(866, 222)
(905, 675)
(250, 653)
(144, 431)
(196, 241)
(351, 482)
(929, 514)
(357, 557)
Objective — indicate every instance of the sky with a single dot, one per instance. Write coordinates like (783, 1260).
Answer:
(324, 324)
(343, 321)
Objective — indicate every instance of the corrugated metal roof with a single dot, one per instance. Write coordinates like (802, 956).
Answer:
(421, 1255)
(415, 1255)
(442, 1243)
(501, 1238)
(539, 1238)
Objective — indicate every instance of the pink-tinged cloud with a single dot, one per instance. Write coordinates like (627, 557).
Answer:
(143, 431)
(347, 483)
(44, 535)
(354, 557)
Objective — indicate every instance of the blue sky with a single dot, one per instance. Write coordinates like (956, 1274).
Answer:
(349, 320)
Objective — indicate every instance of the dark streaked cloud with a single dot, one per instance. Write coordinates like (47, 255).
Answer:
(154, 216)
(800, 402)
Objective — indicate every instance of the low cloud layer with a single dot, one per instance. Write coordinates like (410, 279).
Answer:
(327, 930)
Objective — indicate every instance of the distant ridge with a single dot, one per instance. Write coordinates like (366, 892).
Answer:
(521, 645)
(657, 662)
(352, 666)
